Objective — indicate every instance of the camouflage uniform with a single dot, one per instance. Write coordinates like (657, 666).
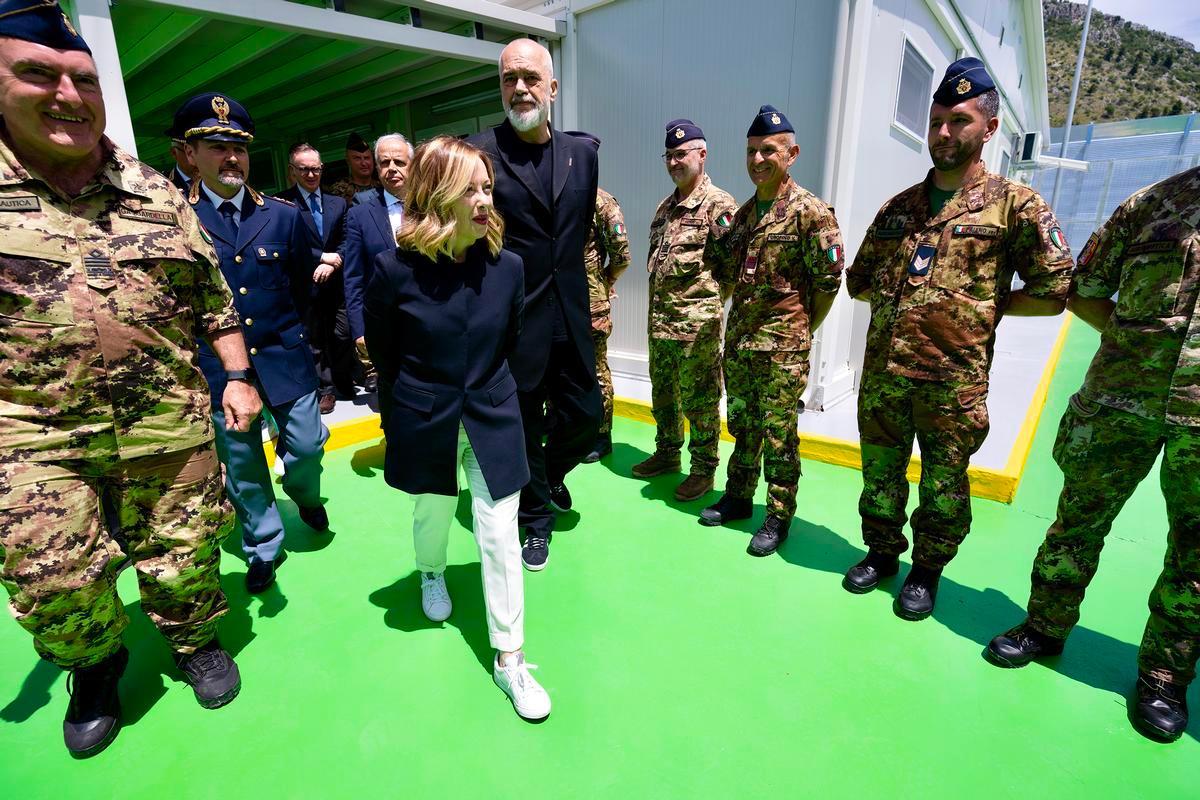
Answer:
(102, 409)
(929, 346)
(778, 265)
(1141, 397)
(686, 303)
(608, 242)
(346, 188)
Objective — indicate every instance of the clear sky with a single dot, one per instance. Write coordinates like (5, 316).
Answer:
(1177, 17)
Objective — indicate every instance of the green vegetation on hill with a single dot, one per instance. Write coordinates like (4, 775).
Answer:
(1129, 72)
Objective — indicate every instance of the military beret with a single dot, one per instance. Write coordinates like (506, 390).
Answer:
(768, 121)
(214, 117)
(356, 143)
(680, 131)
(590, 138)
(964, 79)
(40, 22)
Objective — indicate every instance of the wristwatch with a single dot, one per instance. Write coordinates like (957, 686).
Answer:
(239, 375)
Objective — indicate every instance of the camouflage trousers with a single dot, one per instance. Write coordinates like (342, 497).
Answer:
(1104, 454)
(601, 329)
(685, 381)
(949, 421)
(65, 526)
(763, 390)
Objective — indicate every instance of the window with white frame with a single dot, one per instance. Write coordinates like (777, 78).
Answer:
(916, 87)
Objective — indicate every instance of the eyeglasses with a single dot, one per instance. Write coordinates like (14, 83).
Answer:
(679, 155)
(307, 170)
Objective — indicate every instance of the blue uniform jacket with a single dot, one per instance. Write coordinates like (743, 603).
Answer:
(268, 266)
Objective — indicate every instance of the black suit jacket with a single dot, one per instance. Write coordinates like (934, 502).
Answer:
(181, 184)
(331, 235)
(549, 235)
(439, 334)
(368, 233)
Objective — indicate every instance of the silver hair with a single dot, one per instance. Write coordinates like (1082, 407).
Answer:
(388, 138)
(989, 103)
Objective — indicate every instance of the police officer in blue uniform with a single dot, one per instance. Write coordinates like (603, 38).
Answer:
(266, 253)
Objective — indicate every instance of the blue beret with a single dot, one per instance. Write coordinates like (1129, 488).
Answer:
(214, 117)
(590, 138)
(964, 79)
(680, 131)
(769, 120)
(40, 22)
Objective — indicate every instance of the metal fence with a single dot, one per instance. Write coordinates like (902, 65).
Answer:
(1122, 158)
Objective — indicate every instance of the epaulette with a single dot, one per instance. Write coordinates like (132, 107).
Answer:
(285, 201)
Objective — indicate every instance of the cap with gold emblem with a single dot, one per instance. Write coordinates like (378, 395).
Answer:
(964, 79)
(215, 117)
(41, 22)
(680, 131)
(768, 121)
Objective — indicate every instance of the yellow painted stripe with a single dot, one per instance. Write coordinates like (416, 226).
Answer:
(990, 484)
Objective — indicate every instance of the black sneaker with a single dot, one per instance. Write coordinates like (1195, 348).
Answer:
(212, 674)
(261, 574)
(1160, 709)
(602, 448)
(769, 537)
(94, 711)
(535, 552)
(560, 498)
(1019, 646)
(727, 509)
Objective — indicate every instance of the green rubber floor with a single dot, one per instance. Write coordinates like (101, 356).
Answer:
(679, 666)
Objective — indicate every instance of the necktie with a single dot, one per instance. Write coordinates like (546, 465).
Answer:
(316, 212)
(229, 213)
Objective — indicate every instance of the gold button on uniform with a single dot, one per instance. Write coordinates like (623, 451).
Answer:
(237, 259)
(242, 290)
(253, 351)
(275, 255)
(249, 322)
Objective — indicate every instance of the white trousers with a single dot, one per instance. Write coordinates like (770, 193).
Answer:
(499, 547)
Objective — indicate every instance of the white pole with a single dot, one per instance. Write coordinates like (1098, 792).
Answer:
(96, 27)
(1062, 153)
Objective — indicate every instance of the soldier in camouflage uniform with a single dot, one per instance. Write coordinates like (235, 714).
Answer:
(361, 163)
(605, 256)
(936, 265)
(106, 445)
(784, 256)
(686, 303)
(1141, 397)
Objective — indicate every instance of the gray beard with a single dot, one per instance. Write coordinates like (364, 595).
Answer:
(529, 120)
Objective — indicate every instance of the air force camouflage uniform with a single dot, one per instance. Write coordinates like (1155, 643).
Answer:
(686, 304)
(605, 257)
(778, 265)
(103, 409)
(1141, 397)
(938, 285)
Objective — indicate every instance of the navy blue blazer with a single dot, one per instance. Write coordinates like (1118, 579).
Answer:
(439, 334)
(368, 233)
(268, 265)
(549, 234)
(330, 237)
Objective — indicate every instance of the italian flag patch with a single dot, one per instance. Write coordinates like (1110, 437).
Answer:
(1056, 236)
(834, 253)
(204, 232)
(619, 229)
(725, 220)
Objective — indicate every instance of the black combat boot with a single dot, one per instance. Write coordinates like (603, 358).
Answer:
(866, 574)
(727, 509)
(769, 537)
(1022, 644)
(212, 674)
(94, 713)
(1160, 708)
(918, 594)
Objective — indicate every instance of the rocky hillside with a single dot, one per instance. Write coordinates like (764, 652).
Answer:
(1129, 72)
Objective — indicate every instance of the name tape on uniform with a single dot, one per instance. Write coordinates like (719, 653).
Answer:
(20, 203)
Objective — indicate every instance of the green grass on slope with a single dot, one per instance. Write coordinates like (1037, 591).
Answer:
(679, 666)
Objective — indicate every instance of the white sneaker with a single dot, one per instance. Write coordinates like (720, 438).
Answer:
(528, 697)
(435, 599)
(279, 468)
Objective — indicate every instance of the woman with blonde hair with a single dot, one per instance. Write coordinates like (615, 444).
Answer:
(442, 313)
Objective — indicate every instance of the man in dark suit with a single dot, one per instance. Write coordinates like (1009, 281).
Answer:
(266, 254)
(184, 171)
(329, 333)
(546, 191)
(371, 226)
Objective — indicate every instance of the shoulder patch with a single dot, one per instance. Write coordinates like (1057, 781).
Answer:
(725, 220)
(1089, 249)
(619, 228)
